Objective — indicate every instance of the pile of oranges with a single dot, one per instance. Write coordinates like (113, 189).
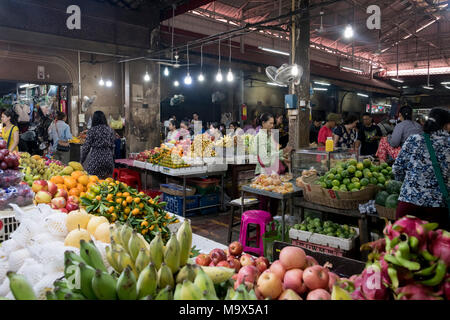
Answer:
(77, 184)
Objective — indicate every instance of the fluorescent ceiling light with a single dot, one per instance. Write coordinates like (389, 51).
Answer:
(397, 80)
(230, 76)
(362, 95)
(416, 72)
(445, 82)
(101, 82)
(25, 85)
(428, 87)
(275, 84)
(320, 89)
(351, 69)
(275, 51)
(321, 83)
(427, 25)
(405, 87)
(447, 87)
(408, 36)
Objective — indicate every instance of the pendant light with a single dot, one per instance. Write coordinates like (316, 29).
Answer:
(101, 82)
(146, 76)
(188, 78)
(230, 76)
(176, 83)
(219, 76)
(166, 72)
(201, 77)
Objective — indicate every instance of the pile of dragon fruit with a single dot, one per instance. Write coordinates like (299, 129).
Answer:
(410, 263)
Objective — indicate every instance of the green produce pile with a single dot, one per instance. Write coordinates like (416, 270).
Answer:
(355, 176)
(327, 227)
(389, 198)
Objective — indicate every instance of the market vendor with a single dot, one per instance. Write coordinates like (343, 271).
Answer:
(236, 130)
(185, 132)
(270, 159)
(345, 135)
(214, 131)
(327, 129)
(421, 194)
(173, 133)
(369, 136)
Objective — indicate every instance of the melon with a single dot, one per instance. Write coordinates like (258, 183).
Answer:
(77, 218)
(94, 223)
(102, 233)
(392, 201)
(393, 186)
(74, 237)
(381, 197)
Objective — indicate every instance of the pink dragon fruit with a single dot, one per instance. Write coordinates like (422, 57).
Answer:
(375, 282)
(390, 232)
(413, 227)
(416, 292)
(357, 295)
(439, 245)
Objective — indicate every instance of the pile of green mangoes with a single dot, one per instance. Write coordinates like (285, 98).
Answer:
(327, 227)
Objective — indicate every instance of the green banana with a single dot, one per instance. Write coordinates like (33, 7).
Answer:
(87, 273)
(393, 276)
(147, 281)
(115, 232)
(60, 284)
(20, 287)
(125, 235)
(439, 275)
(186, 273)
(73, 256)
(427, 271)
(177, 294)
(230, 294)
(165, 294)
(134, 245)
(104, 285)
(142, 260)
(204, 283)
(184, 237)
(110, 257)
(50, 295)
(90, 254)
(156, 251)
(74, 296)
(60, 293)
(410, 265)
(172, 254)
(190, 291)
(218, 274)
(126, 285)
(69, 268)
(165, 277)
(125, 260)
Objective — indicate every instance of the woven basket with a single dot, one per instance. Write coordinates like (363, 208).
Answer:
(190, 191)
(384, 212)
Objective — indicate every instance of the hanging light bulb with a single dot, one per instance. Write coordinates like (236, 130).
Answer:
(108, 83)
(348, 32)
(147, 77)
(219, 76)
(230, 76)
(294, 70)
(101, 83)
(201, 77)
(176, 83)
(166, 71)
(188, 79)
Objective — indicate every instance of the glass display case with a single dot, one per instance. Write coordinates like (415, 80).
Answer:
(319, 159)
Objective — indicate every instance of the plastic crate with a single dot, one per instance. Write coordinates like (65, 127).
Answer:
(209, 200)
(153, 193)
(319, 248)
(175, 204)
(7, 226)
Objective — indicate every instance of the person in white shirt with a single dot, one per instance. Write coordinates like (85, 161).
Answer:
(173, 133)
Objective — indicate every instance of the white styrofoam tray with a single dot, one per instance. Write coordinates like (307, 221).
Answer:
(322, 239)
(140, 164)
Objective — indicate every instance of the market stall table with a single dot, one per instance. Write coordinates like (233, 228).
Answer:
(280, 196)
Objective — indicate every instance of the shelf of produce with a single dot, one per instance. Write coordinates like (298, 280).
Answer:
(140, 164)
(281, 196)
(127, 162)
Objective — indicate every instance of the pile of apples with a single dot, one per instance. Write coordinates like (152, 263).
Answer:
(47, 192)
(7, 160)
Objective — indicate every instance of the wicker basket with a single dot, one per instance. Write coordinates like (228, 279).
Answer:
(190, 191)
(384, 212)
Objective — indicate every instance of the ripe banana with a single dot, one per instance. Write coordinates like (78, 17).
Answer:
(177, 294)
(204, 283)
(125, 235)
(20, 287)
(147, 281)
(165, 277)
(190, 291)
(165, 294)
(134, 245)
(126, 285)
(156, 251)
(104, 286)
(110, 257)
(218, 274)
(115, 232)
(87, 273)
(90, 254)
(186, 273)
(172, 254)
(184, 237)
(125, 261)
(142, 260)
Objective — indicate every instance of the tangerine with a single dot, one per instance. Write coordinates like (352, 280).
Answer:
(57, 180)
(70, 182)
(74, 192)
(84, 180)
(76, 174)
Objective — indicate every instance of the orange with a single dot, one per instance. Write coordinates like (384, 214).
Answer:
(76, 174)
(129, 198)
(81, 187)
(127, 210)
(70, 182)
(93, 179)
(84, 180)
(126, 194)
(62, 186)
(124, 203)
(74, 192)
(141, 205)
(57, 180)
(137, 200)
(135, 212)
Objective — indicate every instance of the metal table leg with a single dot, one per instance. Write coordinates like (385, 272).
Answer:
(283, 207)
(184, 196)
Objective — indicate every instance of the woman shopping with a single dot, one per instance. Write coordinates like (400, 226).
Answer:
(10, 131)
(97, 153)
(59, 131)
(345, 136)
(424, 167)
(270, 159)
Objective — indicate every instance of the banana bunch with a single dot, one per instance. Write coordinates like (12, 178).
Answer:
(240, 293)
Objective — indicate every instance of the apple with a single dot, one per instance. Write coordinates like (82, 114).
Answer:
(61, 193)
(278, 268)
(247, 275)
(203, 259)
(73, 199)
(310, 261)
(52, 188)
(270, 285)
(259, 294)
(43, 197)
(293, 279)
(289, 294)
(235, 248)
(212, 264)
(64, 210)
(262, 264)
(316, 277)
(234, 263)
(59, 202)
(217, 255)
(39, 185)
(292, 257)
(333, 277)
(318, 294)
(70, 206)
(223, 264)
(247, 260)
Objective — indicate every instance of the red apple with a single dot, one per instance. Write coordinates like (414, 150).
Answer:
(64, 210)
(70, 206)
(289, 294)
(212, 264)
(310, 261)
(217, 255)
(293, 279)
(259, 294)
(235, 248)
(318, 294)
(234, 263)
(52, 188)
(270, 285)
(333, 277)
(316, 277)
(223, 264)
(43, 197)
(247, 260)
(262, 264)
(247, 274)
(292, 257)
(203, 259)
(39, 185)
(278, 268)
(234, 277)
(59, 202)
(73, 199)
(61, 193)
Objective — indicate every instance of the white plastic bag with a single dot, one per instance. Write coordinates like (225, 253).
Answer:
(56, 224)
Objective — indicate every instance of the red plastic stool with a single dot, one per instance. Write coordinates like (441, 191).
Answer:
(261, 219)
(131, 181)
